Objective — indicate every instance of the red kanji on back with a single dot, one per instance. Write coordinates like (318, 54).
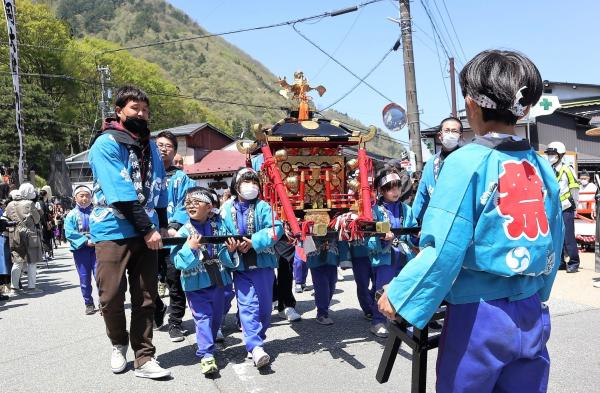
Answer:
(521, 201)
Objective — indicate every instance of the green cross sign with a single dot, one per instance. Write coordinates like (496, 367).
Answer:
(546, 104)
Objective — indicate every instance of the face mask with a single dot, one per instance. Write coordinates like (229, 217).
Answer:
(450, 140)
(248, 191)
(553, 159)
(584, 182)
(137, 126)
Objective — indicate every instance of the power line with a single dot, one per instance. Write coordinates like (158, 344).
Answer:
(425, 44)
(340, 64)
(280, 24)
(453, 29)
(435, 29)
(442, 72)
(446, 30)
(395, 47)
(52, 76)
(150, 92)
(53, 48)
(213, 100)
(340, 43)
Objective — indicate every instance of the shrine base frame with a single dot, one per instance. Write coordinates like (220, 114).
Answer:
(419, 341)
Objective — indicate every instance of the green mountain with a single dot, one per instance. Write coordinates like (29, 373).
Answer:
(211, 68)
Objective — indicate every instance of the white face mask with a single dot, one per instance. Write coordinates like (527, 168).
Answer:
(553, 159)
(248, 191)
(450, 140)
(585, 182)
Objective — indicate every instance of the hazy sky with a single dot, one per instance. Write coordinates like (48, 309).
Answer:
(559, 36)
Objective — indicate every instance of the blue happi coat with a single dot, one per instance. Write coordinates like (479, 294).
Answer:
(177, 185)
(77, 227)
(399, 215)
(493, 230)
(329, 252)
(112, 170)
(427, 184)
(193, 273)
(262, 238)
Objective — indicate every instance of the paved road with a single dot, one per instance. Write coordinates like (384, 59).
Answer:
(49, 345)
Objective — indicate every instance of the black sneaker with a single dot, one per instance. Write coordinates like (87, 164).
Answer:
(176, 333)
(159, 317)
(89, 309)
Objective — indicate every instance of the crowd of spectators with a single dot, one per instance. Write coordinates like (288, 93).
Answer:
(32, 227)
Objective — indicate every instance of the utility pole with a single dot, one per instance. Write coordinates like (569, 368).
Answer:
(106, 91)
(412, 107)
(453, 87)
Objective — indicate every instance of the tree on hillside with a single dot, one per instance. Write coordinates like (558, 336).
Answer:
(60, 96)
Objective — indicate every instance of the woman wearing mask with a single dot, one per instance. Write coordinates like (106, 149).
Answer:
(450, 135)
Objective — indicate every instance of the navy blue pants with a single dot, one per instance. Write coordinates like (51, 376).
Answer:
(300, 271)
(324, 278)
(494, 346)
(570, 247)
(85, 262)
(363, 276)
(229, 295)
(207, 309)
(383, 274)
(254, 292)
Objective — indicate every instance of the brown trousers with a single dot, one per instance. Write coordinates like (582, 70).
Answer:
(114, 257)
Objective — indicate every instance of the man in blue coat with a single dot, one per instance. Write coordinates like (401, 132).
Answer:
(130, 205)
(450, 135)
(177, 185)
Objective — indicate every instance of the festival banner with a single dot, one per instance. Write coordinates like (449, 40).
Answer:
(11, 24)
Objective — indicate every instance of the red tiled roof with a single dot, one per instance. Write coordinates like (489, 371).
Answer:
(217, 161)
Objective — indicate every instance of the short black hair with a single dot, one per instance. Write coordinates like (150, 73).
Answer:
(215, 198)
(450, 118)
(130, 93)
(170, 136)
(243, 174)
(499, 75)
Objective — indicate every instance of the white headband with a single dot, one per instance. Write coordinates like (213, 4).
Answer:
(82, 188)
(242, 171)
(389, 178)
(486, 102)
(201, 196)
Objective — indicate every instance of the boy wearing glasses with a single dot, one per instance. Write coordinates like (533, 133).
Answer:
(203, 275)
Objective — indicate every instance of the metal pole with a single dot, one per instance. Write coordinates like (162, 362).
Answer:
(453, 87)
(412, 106)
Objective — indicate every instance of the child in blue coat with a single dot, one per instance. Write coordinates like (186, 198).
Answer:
(491, 241)
(203, 276)
(389, 254)
(363, 276)
(77, 231)
(254, 258)
(323, 263)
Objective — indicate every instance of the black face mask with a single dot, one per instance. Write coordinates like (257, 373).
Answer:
(137, 126)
